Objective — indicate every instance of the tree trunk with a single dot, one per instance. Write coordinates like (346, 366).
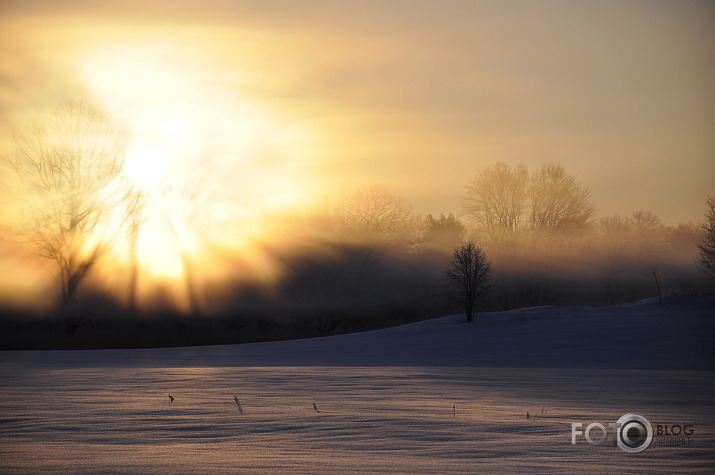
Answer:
(190, 281)
(133, 274)
(469, 307)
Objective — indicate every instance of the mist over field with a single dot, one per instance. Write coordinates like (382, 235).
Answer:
(293, 162)
(356, 237)
(364, 260)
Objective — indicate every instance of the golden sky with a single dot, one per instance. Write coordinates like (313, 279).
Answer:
(282, 100)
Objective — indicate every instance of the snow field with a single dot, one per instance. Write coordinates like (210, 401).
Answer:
(382, 407)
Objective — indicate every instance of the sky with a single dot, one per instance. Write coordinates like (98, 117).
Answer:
(280, 101)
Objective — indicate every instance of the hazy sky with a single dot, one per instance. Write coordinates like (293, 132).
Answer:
(286, 98)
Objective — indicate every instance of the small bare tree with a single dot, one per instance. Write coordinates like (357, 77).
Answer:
(655, 272)
(468, 273)
(67, 167)
(706, 262)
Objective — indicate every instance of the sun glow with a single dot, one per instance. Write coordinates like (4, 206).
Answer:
(211, 162)
(145, 167)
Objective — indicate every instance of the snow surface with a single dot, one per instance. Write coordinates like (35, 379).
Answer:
(439, 396)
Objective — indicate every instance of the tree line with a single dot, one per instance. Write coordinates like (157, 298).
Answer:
(505, 198)
(67, 170)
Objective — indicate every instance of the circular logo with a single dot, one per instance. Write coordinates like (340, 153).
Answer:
(634, 434)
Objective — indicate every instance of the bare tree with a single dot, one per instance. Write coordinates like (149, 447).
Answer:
(646, 223)
(655, 272)
(372, 214)
(706, 262)
(558, 203)
(468, 272)
(497, 198)
(648, 234)
(613, 225)
(67, 166)
(371, 221)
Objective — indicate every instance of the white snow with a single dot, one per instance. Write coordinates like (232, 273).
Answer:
(439, 396)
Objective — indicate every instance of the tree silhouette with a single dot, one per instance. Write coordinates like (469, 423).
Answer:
(655, 272)
(497, 198)
(444, 232)
(706, 262)
(504, 199)
(468, 272)
(134, 218)
(614, 224)
(189, 223)
(646, 223)
(371, 214)
(371, 222)
(558, 203)
(68, 167)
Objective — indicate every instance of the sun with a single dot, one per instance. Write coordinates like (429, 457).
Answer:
(145, 167)
(214, 165)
